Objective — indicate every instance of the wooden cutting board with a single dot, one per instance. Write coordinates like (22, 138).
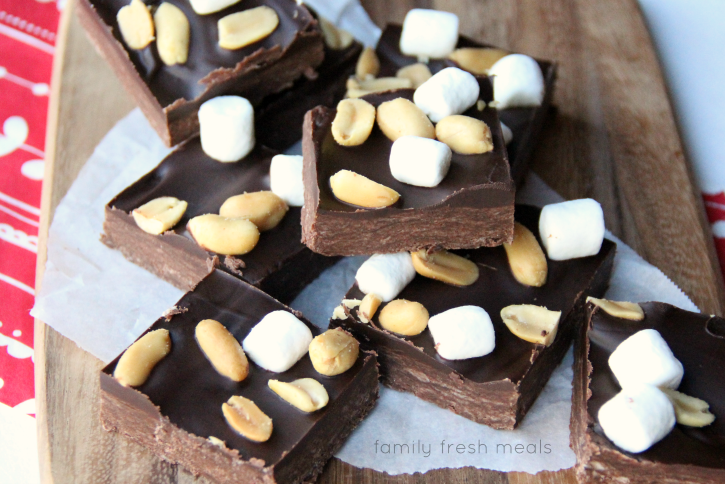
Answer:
(614, 139)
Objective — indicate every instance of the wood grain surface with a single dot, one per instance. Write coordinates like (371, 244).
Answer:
(614, 139)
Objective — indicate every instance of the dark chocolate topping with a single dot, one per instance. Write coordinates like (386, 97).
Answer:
(703, 356)
(495, 289)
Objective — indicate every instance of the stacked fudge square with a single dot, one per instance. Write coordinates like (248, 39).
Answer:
(412, 153)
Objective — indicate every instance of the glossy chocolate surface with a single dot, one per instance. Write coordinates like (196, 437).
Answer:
(698, 341)
(495, 289)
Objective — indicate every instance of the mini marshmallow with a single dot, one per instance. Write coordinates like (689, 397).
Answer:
(226, 125)
(508, 135)
(463, 332)
(285, 179)
(517, 82)
(429, 34)
(385, 275)
(205, 7)
(572, 229)
(637, 417)
(419, 161)
(450, 91)
(643, 358)
(278, 341)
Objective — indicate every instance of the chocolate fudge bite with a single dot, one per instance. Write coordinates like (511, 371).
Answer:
(170, 95)
(499, 388)
(279, 264)
(471, 207)
(176, 411)
(686, 454)
(526, 123)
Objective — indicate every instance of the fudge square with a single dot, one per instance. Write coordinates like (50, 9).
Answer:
(177, 411)
(684, 455)
(499, 388)
(288, 45)
(471, 207)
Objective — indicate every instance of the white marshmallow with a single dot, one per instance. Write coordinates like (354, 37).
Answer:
(517, 82)
(285, 179)
(278, 341)
(572, 229)
(419, 161)
(429, 34)
(508, 135)
(450, 91)
(645, 358)
(463, 332)
(226, 125)
(385, 275)
(637, 417)
(204, 7)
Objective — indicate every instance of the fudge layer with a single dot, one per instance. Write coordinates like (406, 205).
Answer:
(685, 455)
(499, 388)
(170, 96)
(472, 207)
(279, 264)
(525, 123)
(179, 407)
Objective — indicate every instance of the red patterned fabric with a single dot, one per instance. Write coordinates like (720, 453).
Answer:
(27, 43)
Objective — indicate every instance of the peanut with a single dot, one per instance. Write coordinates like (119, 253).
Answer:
(334, 352)
(172, 34)
(534, 324)
(247, 419)
(353, 122)
(465, 135)
(689, 411)
(368, 307)
(307, 394)
(240, 29)
(368, 64)
(527, 260)
(226, 236)
(362, 87)
(401, 117)
(222, 349)
(264, 209)
(136, 363)
(417, 73)
(136, 25)
(335, 39)
(476, 60)
(619, 309)
(404, 317)
(358, 190)
(445, 266)
(159, 215)
(339, 312)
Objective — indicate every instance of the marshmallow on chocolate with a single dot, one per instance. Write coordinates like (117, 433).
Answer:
(385, 275)
(462, 332)
(278, 341)
(429, 34)
(226, 125)
(637, 418)
(572, 229)
(285, 179)
(422, 162)
(645, 358)
(517, 82)
(450, 91)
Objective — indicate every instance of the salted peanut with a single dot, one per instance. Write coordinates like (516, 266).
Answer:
(534, 324)
(172, 34)
(445, 266)
(226, 236)
(339, 312)
(404, 317)
(619, 309)
(358, 190)
(240, 29)
(368, 307)
(336, 39)
(139, 359)
(362, 87)
(465, 135)
(368, 64)
(417, 73)
(222, 349)
(264, 209)
(689, 411)
(526, 258)
(477, 60)
(136, 25)
(334, 352)
(353, 122)
(401, 117)
(159, 215)
(307, 394)
(245, 417)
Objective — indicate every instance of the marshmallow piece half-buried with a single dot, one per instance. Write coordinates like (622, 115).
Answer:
(517, 82)
(226, 126)
(450, 91)
(422, 162)
(508, 135)
(385, 275)
(429, 34)
(572, 229)
(637, 417)
(645, 358)
(285, 179)
(278, 341)
(463, 332)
